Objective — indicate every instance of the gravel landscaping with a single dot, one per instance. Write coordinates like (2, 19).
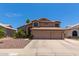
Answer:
(13, 43)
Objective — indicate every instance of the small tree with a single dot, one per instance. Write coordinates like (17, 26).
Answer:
(28, 21)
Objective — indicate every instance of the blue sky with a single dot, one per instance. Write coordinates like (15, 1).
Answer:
(16, 14)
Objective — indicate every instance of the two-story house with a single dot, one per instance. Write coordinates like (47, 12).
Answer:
(43, 28)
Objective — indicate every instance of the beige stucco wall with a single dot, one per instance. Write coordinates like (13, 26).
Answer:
(68, 32)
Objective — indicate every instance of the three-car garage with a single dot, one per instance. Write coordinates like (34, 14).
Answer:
(48, 33)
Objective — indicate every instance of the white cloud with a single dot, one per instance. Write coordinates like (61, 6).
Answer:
(12, 15)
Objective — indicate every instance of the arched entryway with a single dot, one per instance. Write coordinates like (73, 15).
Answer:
(74, 33)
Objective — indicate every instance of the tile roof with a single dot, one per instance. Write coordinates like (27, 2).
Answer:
(6, 26)
(46, 20)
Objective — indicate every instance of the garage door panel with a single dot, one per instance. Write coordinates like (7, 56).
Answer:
(44, 34)
(41, 34)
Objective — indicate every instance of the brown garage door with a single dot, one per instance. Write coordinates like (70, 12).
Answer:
(56, 34)
(47, 34)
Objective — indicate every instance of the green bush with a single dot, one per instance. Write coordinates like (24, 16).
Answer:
(2, 33)
(23, 34)
(20, 34)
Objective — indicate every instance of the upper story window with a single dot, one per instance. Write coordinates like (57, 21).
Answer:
(56, 25)
(36, 24)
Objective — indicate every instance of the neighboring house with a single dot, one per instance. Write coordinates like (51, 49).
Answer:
(45, 29)
(24, 27)
(72, 31)
(9, 31)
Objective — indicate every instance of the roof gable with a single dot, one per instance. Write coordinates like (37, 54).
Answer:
(43, 19)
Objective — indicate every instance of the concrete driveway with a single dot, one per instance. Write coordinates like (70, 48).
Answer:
(65, 47)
